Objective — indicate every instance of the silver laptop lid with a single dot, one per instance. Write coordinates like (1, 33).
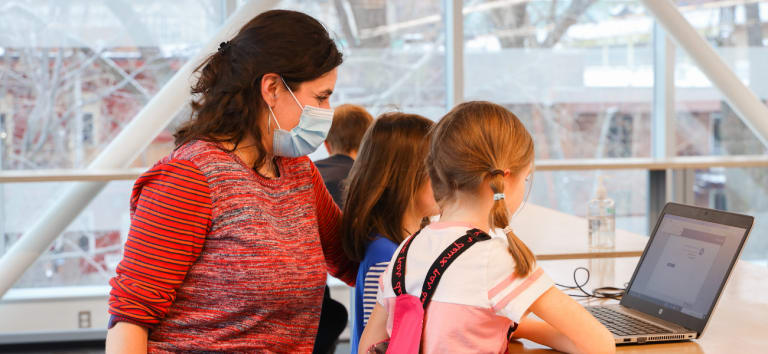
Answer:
(686, 263)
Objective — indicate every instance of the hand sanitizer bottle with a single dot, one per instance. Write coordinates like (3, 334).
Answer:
(601, 216)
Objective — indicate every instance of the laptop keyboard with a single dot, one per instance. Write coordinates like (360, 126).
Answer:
(623, 325)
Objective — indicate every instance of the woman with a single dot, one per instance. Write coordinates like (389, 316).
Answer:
(232, 233)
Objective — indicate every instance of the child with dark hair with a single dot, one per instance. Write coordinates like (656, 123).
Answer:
(349, 125)
(388, 198)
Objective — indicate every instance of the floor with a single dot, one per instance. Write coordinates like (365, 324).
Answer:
(340, 293)
(96, 347)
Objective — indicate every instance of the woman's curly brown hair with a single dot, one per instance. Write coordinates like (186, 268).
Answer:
(228, 104)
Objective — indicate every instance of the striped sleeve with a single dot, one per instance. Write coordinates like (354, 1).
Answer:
(509, 294)
(170, 217)
(329, 222)
(371, 288)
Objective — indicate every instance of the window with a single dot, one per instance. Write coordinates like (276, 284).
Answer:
(579, 74)
(708, 125)
(73, 75)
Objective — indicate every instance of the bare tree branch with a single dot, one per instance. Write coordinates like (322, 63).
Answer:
(511, 17)
(571, 16)
(346, 28)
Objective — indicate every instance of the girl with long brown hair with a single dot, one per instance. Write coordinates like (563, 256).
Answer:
(479, 160)
(388, 196)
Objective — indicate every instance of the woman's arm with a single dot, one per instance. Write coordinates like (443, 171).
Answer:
(170, 218)
(127, 338)
(329, 225)
(568, 328)
(375, 331)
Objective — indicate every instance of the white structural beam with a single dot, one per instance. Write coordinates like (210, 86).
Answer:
(123, 150)
(660, 182)
(663, 127)
(744, 102)
(454, 52)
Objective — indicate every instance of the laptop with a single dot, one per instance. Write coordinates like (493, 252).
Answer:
(680, 276)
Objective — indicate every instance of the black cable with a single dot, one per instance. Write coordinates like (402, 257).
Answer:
(605, 292)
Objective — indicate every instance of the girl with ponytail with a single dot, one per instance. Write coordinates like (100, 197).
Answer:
(479, 163)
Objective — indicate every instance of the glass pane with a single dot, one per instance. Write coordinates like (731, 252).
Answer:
(73, 74)
(740, 190)
(578, 73)
(87, 252)
(706, 124)
(394, 54)
(570, 191)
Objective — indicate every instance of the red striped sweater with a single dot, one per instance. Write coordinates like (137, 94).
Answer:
(221, 258)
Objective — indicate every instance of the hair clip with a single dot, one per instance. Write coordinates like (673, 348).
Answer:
(498, 196)
(223, 46)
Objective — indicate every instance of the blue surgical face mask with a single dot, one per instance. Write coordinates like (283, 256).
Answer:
(306, 137)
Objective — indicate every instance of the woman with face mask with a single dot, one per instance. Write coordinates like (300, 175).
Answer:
(232, 234)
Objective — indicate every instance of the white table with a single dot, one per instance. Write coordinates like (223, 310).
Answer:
(738, 325)
(552, 234)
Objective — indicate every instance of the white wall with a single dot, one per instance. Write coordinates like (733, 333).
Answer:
(48, 314)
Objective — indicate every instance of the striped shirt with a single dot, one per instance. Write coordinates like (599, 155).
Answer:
(377, 256)
(220, 258)
(371, 289)
(479, 295)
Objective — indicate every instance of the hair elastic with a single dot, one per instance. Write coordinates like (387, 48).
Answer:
(496, 172)
(223, 46)
(508, 229)
(498, 196)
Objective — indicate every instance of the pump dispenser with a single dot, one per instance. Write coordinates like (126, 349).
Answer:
(601, 216)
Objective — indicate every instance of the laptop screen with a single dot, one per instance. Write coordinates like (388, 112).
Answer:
(686, 263)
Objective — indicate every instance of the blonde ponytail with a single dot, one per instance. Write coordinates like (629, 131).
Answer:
(499, 218)
(477, 142)
(524, 259)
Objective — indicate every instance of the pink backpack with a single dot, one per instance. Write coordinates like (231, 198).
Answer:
(409, 310)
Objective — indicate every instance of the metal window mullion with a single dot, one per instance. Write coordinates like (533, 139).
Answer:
(663, 132)
(454, 52)
(661, 184)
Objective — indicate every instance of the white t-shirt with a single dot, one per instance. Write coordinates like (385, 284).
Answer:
(478, 297)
